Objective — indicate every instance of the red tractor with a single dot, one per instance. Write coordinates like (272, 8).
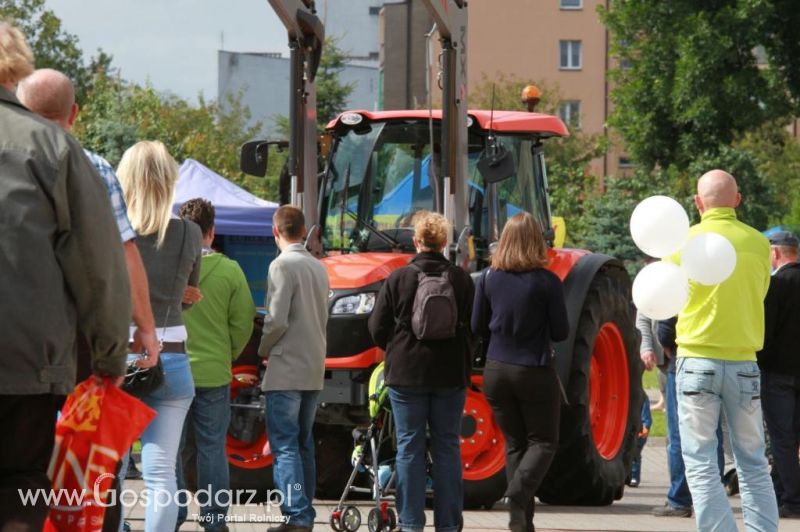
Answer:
(478, 168)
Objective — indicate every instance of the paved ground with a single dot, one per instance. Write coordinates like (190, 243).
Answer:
(632, 513)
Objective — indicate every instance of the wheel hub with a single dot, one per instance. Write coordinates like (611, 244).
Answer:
(609, 391)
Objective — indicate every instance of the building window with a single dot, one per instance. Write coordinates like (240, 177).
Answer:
(625, 162)
(570, 113)
(570, 55)
(375, 10)
(571, 4)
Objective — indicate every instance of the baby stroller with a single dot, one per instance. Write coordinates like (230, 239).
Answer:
(368, 443)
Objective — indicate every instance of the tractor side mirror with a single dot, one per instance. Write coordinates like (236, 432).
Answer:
(254, 156)
(497, 167)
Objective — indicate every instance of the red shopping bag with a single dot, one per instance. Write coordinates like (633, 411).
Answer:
(98, 424)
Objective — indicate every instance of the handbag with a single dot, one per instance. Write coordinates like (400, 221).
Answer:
(142, 381)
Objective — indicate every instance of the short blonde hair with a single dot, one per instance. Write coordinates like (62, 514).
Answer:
(147, 173)
(16, 58)
(431, 230)
(521, 247)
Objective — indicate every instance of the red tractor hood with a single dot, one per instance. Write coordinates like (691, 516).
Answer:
(354, 270)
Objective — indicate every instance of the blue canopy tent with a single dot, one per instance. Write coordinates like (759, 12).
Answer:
(243, 222)
(237, 211)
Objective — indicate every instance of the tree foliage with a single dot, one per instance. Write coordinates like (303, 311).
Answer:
(118, 114)
(332, 94)
(689, 79)
(52, 46)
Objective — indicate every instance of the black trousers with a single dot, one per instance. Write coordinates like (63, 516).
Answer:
(29, 423)
(780, 401)
(526, 403)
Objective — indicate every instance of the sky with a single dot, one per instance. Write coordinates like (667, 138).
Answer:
(172, 44)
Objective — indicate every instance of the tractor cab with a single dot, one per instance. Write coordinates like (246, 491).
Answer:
(386, 166)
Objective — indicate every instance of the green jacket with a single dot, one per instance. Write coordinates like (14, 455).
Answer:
(726, 321)
(220, 325)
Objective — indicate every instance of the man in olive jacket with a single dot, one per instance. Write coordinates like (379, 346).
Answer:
(62, 270)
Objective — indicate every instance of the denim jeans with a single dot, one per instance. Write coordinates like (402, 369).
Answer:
(636, 465)
(208, 420)
(440, 410)
(678, 495)
(705, 387)
(781, 401)
(160, 441)
(290, 419)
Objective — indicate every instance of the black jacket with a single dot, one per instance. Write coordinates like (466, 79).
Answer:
(781, 353)
(412, 362)
(520, 314)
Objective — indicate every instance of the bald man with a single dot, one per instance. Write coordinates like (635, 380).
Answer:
(50, 94)
(719, 332)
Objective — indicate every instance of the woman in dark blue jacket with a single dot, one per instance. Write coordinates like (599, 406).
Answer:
(519, 311)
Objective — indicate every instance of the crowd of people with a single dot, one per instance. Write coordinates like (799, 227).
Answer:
(100, 255)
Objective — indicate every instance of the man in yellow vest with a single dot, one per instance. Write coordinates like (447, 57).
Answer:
(718, 333)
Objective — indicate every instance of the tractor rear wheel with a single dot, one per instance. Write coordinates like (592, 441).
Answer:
(600, 424)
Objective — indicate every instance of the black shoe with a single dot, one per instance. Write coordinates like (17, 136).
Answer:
(283, 527)
(517, 516)
(634, 483)
(132, 473)
(786, 513)
(671, 511)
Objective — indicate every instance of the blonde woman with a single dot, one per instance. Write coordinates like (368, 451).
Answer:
(519, 311)
(427, 378)
(171, 250)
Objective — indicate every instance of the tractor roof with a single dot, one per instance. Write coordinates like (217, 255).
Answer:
(503, 121)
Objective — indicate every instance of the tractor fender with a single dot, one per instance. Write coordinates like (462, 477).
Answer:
(576, 286)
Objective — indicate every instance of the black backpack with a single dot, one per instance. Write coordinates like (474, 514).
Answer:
(434, 315)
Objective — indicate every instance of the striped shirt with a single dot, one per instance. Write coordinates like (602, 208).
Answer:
(105, 170)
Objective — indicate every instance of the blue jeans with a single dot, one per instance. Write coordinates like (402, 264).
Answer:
(705, 387)
(208, 418)
(678, 495)
(781, 402)
(636, 465)
(160, 442)
(440, 410)
(290, 419)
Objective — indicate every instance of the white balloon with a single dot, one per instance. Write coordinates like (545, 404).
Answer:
(708, 258)
(659, 226)
(660, 290)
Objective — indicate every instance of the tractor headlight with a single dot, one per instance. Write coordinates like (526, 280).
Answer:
(362, 303)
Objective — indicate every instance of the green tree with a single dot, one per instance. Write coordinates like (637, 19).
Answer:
(689, 81)
(52, 46)
(332, 94)
(777, 156)
(117, 114)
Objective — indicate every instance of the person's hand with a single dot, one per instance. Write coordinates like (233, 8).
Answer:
(648, 359)
(147, 361)
(146, 341)
(192, 295)
(265, 362)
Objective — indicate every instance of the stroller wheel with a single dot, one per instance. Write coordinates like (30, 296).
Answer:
(377, 522)
(346, 520)
(336, 521)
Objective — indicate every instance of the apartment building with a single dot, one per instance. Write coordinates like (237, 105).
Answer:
(560, 42)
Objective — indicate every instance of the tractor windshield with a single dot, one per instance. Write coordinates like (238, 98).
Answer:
(380, 174)
(378, 178)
